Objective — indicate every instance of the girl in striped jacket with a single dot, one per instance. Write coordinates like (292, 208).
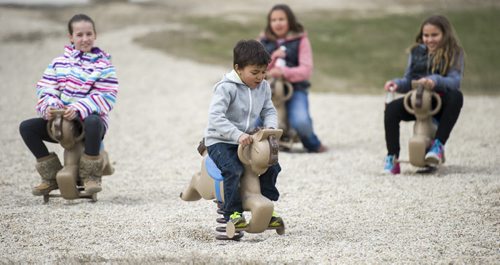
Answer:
(83, 82)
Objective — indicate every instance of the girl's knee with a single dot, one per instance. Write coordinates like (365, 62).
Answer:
(392, 112)
(23, 127)
(31, 125)
(455, 97)
(92, 120)
(301, 124)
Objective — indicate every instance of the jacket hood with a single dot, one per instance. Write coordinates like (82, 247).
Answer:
(232, 77)
(92, 56)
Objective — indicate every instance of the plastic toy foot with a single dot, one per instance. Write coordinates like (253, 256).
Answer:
(46, 198)
(222, 229)
(427, 170)
(232, 231)
(280, 230)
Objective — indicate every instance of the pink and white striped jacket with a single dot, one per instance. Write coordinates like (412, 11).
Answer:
(86, 82)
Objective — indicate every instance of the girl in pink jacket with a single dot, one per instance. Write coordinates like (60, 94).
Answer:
(285, 39)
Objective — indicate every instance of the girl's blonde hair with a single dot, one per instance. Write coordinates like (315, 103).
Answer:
(448, 54)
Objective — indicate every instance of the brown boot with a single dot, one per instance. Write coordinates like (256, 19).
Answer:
(47, 167)
(91, 168)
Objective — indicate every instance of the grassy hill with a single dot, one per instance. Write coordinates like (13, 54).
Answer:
(353, 53)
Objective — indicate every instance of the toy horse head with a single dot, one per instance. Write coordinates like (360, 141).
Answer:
(419, 101)
(263, 152)
(282, 91)
(65, 132)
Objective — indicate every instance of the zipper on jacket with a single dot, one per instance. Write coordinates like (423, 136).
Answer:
(249, 109)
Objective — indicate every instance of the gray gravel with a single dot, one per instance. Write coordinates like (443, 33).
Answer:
(338, 207)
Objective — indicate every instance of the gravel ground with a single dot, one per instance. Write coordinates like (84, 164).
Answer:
(338, 207)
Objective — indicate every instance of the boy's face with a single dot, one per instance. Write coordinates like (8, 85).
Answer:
(251, 75)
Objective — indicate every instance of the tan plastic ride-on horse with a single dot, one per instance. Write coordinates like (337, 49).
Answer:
(419, 103)
(70, 135)
(256, 158)
(282, 91)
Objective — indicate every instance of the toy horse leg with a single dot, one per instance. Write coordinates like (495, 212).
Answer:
(417, 147)
(262, 211)
(190, 193)
(68, 176)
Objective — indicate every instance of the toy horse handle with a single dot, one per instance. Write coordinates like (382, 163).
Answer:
(438, 105)
(57, 122)
(420, 92)
(285, 84)
(273, 148)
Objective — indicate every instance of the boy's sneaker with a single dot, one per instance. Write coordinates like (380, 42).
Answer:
(391, 165)
(435, 155)
(238, 220)
(276, 221)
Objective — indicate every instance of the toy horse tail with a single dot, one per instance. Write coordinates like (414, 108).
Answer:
(190, 193)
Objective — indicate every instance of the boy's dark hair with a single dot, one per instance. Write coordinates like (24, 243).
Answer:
(78, 18)
(250, 52)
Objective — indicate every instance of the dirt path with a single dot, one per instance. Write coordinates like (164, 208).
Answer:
(337, 206)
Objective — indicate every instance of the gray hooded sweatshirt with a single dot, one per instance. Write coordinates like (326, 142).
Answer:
(235, 108)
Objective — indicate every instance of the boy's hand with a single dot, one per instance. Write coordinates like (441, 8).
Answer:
(245, 139)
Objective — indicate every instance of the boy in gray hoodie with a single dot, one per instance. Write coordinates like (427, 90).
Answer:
(239, 100)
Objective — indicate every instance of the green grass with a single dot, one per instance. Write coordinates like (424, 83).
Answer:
(351, 54)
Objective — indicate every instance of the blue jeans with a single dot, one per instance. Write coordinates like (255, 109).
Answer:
(225, 156)
(300, 120)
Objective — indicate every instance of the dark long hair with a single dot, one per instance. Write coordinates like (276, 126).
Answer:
(449, 51)
(293, 25)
